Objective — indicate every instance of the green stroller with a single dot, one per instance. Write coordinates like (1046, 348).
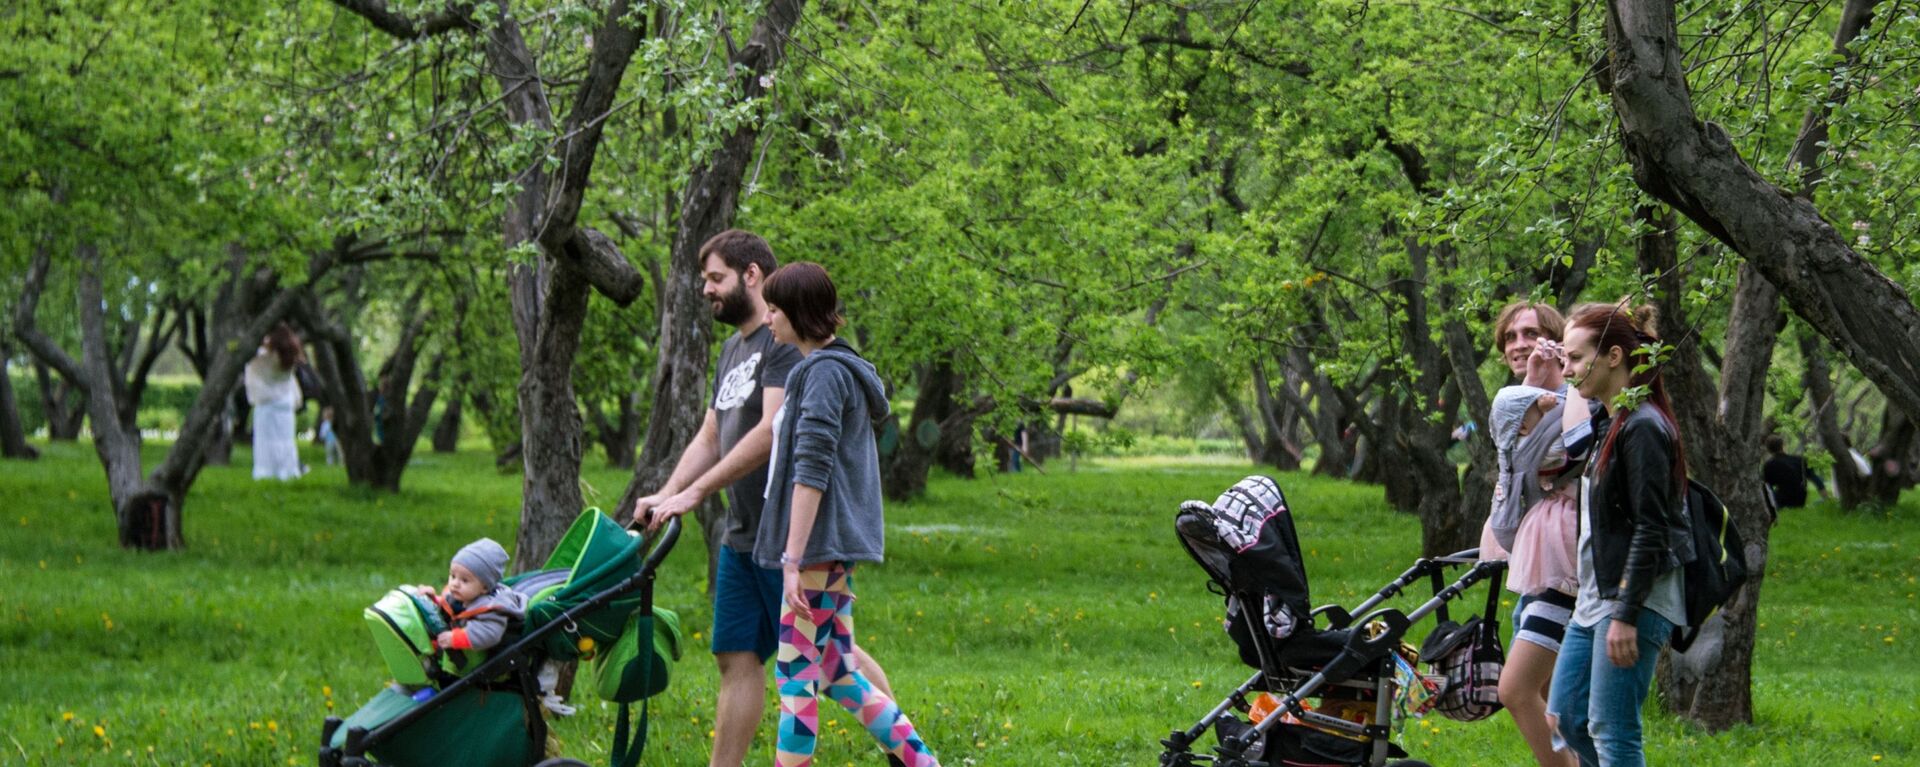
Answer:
(593, 601)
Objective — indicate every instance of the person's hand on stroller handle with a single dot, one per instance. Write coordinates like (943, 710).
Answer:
(653, 511)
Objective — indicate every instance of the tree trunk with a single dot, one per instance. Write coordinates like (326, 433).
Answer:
(1720, 427)
(379, 464)
(1476, 485)
(1693, 166)
(1276, 416)
(62, 404)
(446, 434)
(117, 445)
(904, 476)
(1849, 485)
(619, 436)
(1447, 523)
(1328, 415)
(13, 434)
(686, 329)
(148, 511)
(953, 449)
(1894, 459)
(1243, 422)
(1262, 447)
(551, 434)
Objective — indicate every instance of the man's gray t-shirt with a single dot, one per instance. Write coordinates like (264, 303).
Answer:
(748, 365)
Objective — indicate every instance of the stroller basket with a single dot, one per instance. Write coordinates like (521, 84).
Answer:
(1247, 544)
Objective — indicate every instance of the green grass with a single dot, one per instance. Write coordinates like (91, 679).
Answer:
(1029, 619)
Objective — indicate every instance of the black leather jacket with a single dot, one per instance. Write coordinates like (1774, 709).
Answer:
(1635, 513)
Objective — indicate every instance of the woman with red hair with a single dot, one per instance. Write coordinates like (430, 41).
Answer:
(1633, 538)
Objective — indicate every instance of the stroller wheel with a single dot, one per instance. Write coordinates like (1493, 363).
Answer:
(563, 763)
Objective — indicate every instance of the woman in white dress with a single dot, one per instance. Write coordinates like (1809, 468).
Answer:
(275, 395)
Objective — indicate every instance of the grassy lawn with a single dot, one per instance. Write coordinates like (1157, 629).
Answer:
(1028, 619)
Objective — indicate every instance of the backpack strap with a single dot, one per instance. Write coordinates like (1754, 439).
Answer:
(626, 754)
(1493, 597)
(446, 608)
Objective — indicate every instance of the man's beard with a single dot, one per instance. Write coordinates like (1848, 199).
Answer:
(734, 308)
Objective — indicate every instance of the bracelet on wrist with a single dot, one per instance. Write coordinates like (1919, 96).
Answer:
(788, 559)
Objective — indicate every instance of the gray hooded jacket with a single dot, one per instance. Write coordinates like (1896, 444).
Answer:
(823, 438)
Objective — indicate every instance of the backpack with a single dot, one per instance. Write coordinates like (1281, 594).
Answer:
(1719, 565)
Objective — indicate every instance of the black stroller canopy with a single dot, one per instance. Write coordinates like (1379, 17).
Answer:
(1246, 541)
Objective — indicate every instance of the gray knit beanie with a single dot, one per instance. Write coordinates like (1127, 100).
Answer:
(485, 559)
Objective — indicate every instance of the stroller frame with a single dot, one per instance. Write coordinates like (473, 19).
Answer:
(515, 662)
(1359, 653)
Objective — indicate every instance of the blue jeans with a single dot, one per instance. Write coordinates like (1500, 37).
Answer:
(1596, 704)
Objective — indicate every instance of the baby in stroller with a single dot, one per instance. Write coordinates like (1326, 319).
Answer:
(477, 604)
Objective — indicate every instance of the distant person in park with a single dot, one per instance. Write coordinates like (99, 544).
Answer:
(1534, 522)
(1860, 461)
(1787, 475)
(1634, 540)
(328, 437)
(385, 381)
(823, 516)
(479, 605)
(731, 451)
(274, 394)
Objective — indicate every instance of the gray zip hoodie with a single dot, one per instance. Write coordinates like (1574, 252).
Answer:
(823, 438)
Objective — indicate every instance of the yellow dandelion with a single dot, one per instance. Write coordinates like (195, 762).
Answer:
(326, 690)
(99, 732)
(66, 716)
(273, 725)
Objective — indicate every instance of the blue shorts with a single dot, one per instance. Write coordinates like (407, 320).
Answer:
(746, 605)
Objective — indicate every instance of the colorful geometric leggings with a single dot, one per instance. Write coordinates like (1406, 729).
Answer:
(814, 652)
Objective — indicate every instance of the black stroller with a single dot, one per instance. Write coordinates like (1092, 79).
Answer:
(597, 586)
(1246, 542)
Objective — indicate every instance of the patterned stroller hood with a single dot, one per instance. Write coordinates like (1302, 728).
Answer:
(1246, 542)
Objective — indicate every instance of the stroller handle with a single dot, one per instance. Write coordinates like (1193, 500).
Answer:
(661, 545)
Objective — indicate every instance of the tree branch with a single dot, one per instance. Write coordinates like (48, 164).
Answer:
(601, 262)
(399, 25)
(26, 327)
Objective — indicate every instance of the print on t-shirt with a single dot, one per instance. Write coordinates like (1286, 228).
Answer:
(737, 385)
